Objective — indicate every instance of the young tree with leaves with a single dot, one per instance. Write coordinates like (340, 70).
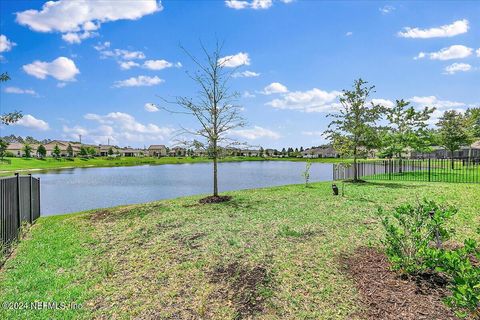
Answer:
(453, 132)
(56, 151)
(110, 151)
(70, 151)
(27, 150)
(214, 108)
(3, 148)
(407, 129)
(354, 129)
(12, 117)
(41, 151)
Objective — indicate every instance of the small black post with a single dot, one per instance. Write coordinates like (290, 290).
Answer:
(429, 169)
(31, 198)
(335, 189)
(19, 222)
(39, 204)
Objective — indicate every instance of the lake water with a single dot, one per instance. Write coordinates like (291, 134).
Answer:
(72, 190)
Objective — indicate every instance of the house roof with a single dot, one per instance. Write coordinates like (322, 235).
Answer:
(157, 146)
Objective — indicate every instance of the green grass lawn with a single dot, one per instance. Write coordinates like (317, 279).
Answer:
(270, 252)
(23, 164)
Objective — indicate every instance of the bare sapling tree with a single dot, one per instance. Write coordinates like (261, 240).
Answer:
(214, 108)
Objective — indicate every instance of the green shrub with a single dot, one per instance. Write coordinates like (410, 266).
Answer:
(463, 274)
(410, 230)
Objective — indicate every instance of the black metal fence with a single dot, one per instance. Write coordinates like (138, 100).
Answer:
(465, 170)
(19, 202)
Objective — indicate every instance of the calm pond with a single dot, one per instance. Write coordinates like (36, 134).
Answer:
(72, 190)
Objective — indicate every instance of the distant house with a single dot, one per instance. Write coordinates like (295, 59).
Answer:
(157, 150)
(437, 152)
(177, 152)
(131, 152)
(325, 151)
(103, 150)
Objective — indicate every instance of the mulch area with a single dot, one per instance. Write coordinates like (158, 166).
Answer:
(215, 199)
(387, 295)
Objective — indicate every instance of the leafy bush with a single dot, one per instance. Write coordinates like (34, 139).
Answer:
(413, 242)
(464, 276)
(409, 232)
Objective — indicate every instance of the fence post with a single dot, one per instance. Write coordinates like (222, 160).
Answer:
(19, 222)
(390, 168)
(38, 194)
(429, 169)
(31, 199)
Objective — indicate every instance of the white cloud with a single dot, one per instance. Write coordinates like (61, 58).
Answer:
(120, 54)
(150, 107)
(314, 100)
(478, 52)
(245, 74)
(73, 37)
(20, 91)
(6, 44)
(76, 19)
(126, 65)
(253, 4)
(448, 30)
(433, 101)
(62, 69)
(122, 127)
(313, 133)
(31, 122)
(157, 64)
(457, 67)
(247, 94)
(274, 87)
(386, 9)
(255, 133)
(384, 102)
(349, 33)
(235, 60)
(453, 52)
(140, 81)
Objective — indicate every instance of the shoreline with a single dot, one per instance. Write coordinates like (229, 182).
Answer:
(35, 165)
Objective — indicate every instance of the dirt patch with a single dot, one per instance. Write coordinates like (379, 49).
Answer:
(189, 241)
(215, 199)
(389, 296)
(246, 287)
(100, 215)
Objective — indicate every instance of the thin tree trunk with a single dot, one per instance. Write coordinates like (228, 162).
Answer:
(355, 173)
(215, 180)
(452, 161)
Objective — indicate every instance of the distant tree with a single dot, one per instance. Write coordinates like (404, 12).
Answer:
(27, 150)
(473, 122)
(41, 151)
(407, 129)
(56, 151)
(215, 107)
(110, 151)
(70, 151)
(11, 117)
(284, 152)
(354, 130)
(453, 132)
(3, 148)
(83, 151)
(301, 149)
(261, 151)
(30, 140)
(92, 151)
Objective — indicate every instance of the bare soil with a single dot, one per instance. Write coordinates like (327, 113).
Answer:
(215, 199)
(387, 295)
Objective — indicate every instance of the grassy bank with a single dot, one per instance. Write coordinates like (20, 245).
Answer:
(32, 164)
(273, 253)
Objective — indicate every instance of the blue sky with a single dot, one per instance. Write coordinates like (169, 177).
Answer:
(78, 67)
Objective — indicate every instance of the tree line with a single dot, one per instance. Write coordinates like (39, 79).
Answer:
(360, 125)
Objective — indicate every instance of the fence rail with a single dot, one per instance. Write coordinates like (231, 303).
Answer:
(19, 202)
(461, 170)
